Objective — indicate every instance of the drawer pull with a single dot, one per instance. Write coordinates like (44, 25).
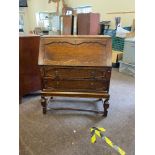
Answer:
(91, 83)
(92, 73)
(56, 72)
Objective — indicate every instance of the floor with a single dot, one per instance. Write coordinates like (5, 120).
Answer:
(67, 132)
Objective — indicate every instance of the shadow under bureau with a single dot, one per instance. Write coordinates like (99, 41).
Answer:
(75, 66)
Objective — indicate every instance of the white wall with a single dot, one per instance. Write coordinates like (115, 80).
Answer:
(106, 6)
(35, 6)
(101, 6)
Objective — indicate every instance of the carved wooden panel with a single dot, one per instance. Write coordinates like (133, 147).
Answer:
(75, 51)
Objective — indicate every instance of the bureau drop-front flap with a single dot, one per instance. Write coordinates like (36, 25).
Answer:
(78, 50)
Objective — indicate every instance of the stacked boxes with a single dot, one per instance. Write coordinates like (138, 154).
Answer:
(128, 64)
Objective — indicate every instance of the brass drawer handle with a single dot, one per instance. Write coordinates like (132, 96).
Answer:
(57, 84)
(56, 72)
(92, 74)
(92, 83)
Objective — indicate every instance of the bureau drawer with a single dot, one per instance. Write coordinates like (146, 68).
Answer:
(75, 85)
(76, 73)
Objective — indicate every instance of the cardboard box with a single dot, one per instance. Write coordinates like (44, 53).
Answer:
(127, 68)
(133, 26)
(116, 56)
(130, 35)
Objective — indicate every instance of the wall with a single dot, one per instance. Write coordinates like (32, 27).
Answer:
(105, 6)
(101, 6)
(24, 13)
(35, 6)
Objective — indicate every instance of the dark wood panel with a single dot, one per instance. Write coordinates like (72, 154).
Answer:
(29, 73)
(88, 23)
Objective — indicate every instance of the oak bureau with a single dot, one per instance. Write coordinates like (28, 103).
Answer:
(75, 66)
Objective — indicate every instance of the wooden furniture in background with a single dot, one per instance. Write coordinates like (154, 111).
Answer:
(75, 66)
(104, 26)
(29, 74)
(67, 24)
(88, 23)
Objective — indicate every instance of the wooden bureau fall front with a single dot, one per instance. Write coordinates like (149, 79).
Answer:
(75, 66)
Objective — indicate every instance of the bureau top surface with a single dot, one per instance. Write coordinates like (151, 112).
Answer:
(75, 36)
(75, 50)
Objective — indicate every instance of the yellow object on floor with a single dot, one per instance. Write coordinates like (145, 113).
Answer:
(116, 56)
(97, 131)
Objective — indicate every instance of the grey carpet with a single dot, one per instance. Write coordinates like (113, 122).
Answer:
(67, 132)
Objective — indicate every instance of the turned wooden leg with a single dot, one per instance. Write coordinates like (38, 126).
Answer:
(44, 104)
(105, 106)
